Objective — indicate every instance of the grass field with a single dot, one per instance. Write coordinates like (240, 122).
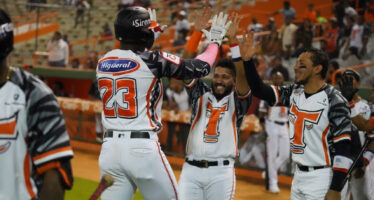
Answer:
(83, 188)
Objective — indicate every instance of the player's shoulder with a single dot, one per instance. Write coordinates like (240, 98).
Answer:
(334, 95)
(29, 83)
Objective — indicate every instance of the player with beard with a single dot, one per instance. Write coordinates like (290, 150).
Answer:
(217, 113)
(319, 124)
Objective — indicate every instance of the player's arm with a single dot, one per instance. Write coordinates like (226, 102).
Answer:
(340, 128)
(49, 145)
(241, 83)
(51, 182)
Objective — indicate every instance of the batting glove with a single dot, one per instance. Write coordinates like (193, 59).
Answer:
(218, 29)
(346, 87)
(155, 27)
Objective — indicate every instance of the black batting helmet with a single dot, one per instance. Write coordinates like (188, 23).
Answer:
(6, 34)
(131, 27)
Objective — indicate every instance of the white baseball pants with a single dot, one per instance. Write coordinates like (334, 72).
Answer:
(136, 163)
(212, 183)
(312, 185)
(277, 147)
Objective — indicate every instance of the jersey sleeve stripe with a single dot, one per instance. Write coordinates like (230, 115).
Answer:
(53, 154)
(50, 165)
(64, 176)
(191, 83)
(324, 144)
(342, 137)
(245, 96)
(370, 135)
(276, 93)
(26, 173)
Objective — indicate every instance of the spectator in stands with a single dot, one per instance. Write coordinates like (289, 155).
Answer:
(352, 58)
(311, 14)
(339, 12)
(182, 24)
(348, 11)
(107, 31)
(75, 63)
(181, 39)
(333, 66)
(286, 11)
(271, 25)
(358, 38)
(58, 51)
(271, 45)
(288, 31)
(320, 19)
(92, 60)
(304, 37)
(176, 96)
(276, 65)
(255, 26)
(80, 6)
(58, 89)
(331, 36)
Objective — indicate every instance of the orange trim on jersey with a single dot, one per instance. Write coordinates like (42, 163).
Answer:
(244, 96)
(148, 104)
(51, 165)
(277, 98)
(52, 152)
(167, 171)
(191, 84)
(8, 128)
(370, 134)
(297, 150)
(64, 176)
(347, 136)
(233, 126)
(324, 144)
(340, 169)
(26, 173)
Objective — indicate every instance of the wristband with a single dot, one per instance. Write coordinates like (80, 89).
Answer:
(235, 52)
(368, 156)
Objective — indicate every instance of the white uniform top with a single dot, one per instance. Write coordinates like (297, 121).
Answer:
(356, 36)
(274, 113)
(131, 89)
(315, 122)
(363, 109)
(32, 133)
(214, 124)
(180, 98)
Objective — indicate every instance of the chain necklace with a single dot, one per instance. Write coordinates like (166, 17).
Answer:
(9, 74)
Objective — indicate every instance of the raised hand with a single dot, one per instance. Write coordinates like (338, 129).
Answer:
(247, 49)
(346, 87)
(232, 31)
(218, 30)
(202, 18)
(155, 26)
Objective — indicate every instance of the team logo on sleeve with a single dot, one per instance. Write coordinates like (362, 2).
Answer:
(4, 147)
(117, 66)
(172, 58)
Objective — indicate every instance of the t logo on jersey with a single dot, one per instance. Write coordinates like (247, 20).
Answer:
(211, 132)
(299, 119)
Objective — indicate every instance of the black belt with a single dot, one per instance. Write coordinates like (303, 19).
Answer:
(279, 123)
(306, 168)
(134, 134)
(205, 163)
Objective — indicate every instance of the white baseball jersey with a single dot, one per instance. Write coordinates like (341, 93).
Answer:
(314, 122)
(274, 113)
(363, 109)
(214, 124)
(131, 89)
(32, 135)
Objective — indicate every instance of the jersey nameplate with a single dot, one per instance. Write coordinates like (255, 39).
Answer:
(172, 58)
(117, 66)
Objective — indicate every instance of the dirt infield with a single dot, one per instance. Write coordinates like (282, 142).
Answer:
(85, 165)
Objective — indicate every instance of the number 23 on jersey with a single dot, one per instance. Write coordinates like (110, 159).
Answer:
(119, 97)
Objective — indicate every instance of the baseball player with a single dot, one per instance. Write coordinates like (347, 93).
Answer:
(357, 185)
(277, 142)
(217, 112)
(319, 121)
(131, 92)
(34, 146)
